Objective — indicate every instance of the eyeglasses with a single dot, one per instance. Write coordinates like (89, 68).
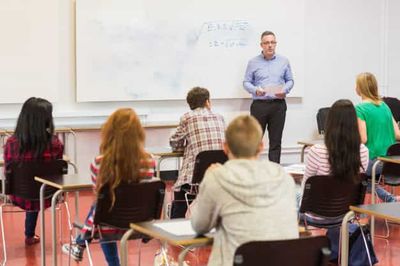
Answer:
(269, 43)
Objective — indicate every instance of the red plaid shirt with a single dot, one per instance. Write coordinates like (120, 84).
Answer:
(11, 154)
(202, 130)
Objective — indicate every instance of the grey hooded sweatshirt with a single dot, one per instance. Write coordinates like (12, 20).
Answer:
(245, 200)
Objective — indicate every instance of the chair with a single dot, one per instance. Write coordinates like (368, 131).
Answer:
(326, 200)
(133, 203)
(322, 114)
(203, 160)
(308, 251)
(19, 181)
(394, 105)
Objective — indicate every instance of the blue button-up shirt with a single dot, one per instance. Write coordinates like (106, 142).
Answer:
(264, 73)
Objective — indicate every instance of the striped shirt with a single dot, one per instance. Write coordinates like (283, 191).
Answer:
(317, 161)
(146, 174)
(198, 130)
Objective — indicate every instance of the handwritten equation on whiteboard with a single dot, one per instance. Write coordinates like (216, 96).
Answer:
(226, 33)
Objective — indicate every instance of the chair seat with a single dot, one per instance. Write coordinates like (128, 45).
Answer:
(392, 180)
(321, 222)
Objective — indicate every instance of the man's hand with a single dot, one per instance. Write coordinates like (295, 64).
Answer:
(280, 95)
(260, 92)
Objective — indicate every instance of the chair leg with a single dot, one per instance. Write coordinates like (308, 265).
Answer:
(3, 236)
(89, 253)
(140, 249)
(365, 244)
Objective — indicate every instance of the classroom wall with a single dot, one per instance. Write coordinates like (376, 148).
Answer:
(342, 38)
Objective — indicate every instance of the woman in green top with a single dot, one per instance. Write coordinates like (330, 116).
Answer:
(377, 127)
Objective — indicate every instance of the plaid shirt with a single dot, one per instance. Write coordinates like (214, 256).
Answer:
(146, 174)
(11, 154)
(199, 130)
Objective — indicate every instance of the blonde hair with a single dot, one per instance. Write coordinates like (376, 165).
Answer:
(122, 141)
(244, 136)
(367, 86)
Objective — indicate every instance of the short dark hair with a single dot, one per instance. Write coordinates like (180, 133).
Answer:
(267, 32)
(35, 127)
(197, 97)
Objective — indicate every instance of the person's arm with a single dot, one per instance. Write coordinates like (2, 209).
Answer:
(248, 82)
(289, 82)
(205, 212)
(312, 166)
(362, 129)
(396, 129)
(177, 140)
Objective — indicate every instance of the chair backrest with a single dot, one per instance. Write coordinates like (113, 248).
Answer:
(392, 169)
(329, 197)
(20, 177)
(322, 114)
(394, 105)
(203, 160)
(134, 202)
(308, 251)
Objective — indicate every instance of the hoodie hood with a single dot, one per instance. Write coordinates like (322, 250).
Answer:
(253, 182)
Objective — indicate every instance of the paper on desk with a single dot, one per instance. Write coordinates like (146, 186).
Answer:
(178, 228)
(295, 169)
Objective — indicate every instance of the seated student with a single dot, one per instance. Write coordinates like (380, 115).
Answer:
(198, 130)
(33, 140)
(377, 127)
(245, 199)
(122, 158)
(342, 154)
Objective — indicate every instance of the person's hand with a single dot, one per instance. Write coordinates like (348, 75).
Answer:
(280, 95)
(214, 166)
(260, 92)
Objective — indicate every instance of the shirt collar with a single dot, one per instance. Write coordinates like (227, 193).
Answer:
(262, 55)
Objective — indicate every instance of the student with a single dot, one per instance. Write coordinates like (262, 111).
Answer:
(342, 154)
(122, 158)
(33, 140)
(378, 129)
(198, 130)
(245, 199)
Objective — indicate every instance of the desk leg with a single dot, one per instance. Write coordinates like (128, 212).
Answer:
(53, 225)
(373, 189)
(344, 254)
(302, 153)
(124, 247)
(182, 255)
(42, 225)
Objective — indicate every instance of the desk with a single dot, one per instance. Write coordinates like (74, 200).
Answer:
(64, 183)
(308, 143)
(389, 211)
(163, 153)
(387, 159)
(151, 229)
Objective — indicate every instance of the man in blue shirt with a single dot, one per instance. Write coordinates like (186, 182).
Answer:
(269, 79)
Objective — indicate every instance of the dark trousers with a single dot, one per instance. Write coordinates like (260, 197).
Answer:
(179, 206)
(271, 115)
(30, 223)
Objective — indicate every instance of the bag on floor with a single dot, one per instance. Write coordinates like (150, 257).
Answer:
(358, 255)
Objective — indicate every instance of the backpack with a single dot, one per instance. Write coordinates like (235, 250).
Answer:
(358, 255)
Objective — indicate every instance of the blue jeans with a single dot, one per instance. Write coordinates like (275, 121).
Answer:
(30, 223)
(110, 250)
(384, 195)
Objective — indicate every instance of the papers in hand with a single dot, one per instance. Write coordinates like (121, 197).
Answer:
(273, 89)
(295, 169)
(178, 228)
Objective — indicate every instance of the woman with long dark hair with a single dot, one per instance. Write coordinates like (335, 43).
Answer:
(32, 140)
(342, 154)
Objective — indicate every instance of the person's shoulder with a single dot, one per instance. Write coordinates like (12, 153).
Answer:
(319, 148)
(256, 58)
(11, 139)
(282, 58)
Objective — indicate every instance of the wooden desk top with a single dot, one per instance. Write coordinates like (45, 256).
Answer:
(67, 182)
(388, 210)
(390, 159)
(150, 229)
(164, 152)
(310, 142)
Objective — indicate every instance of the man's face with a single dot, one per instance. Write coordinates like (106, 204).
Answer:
(268, 44)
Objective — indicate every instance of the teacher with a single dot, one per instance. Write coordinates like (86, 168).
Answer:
(269, 79)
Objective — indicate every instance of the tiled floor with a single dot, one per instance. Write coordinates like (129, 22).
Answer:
(388, 251)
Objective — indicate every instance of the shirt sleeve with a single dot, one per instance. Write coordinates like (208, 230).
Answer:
(205, 212)
(360, 113)
(177, 140)
(311, 166)
(248, 82)
(288, 77)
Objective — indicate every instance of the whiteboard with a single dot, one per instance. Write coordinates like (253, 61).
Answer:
(154, 50)
(29, 50)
